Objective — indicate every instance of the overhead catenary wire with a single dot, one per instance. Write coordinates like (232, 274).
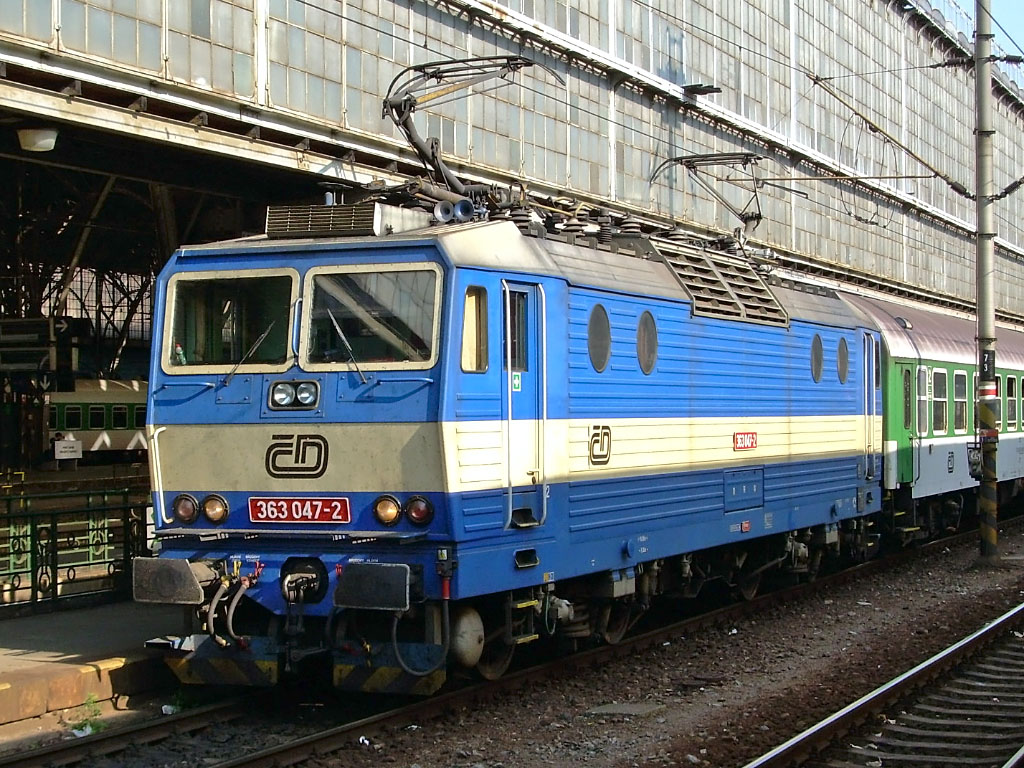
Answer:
(816, 80)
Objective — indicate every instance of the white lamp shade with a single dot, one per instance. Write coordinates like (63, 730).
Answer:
(37, 139)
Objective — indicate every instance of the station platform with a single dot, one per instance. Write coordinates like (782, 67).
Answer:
(54, 479)
(55, 661)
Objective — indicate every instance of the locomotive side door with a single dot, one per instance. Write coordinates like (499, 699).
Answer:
(524, 402)
(870, 403)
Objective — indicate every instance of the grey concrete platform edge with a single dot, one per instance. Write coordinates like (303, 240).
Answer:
(58, 660)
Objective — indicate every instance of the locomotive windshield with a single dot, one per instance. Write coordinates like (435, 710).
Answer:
(374, 317)
(225, 321)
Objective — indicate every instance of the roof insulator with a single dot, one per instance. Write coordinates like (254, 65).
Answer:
(572, 226)
(630, 227)
(521, 218)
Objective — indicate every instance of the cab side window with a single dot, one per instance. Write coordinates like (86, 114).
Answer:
(517, 325)
(474, 330)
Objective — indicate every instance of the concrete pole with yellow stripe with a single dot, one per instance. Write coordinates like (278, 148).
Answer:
(986, 412)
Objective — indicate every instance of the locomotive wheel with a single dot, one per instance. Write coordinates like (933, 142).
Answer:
(618, 623)
(496, 656)
(814, 564)
(748, 586)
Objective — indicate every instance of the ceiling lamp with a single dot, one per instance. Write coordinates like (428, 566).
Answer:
(37, 139)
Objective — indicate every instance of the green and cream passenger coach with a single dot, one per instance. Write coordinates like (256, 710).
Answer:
(929, 375)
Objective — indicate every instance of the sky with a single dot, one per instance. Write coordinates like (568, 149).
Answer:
(1010, 15)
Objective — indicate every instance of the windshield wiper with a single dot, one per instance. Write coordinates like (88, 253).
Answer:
(348, 347)
(247, 355)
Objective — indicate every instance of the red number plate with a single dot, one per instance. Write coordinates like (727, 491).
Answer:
(284, 509)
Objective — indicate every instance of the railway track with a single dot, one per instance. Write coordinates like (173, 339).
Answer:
(81, 751)
(963, 706)
(117, 739)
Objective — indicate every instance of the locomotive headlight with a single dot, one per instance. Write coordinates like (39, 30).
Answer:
(282, 394)
(306, 393)
(419, 510)
(185, 508)
(215, 509)
(387, 510)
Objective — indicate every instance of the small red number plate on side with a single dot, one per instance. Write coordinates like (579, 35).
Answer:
(283, 509)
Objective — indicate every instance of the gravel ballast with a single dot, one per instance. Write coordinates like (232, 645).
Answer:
(724, 695)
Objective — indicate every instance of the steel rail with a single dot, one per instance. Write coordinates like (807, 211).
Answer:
(815, 738)
(115, 740)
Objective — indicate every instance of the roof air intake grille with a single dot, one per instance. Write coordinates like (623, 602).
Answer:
(721, 285)
(357, 220)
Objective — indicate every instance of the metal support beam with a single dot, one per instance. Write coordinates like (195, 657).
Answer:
(122, 336)
(60, 307)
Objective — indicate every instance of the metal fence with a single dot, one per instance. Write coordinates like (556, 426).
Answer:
(60, 547)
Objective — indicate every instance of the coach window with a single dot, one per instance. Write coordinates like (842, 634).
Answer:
(922, 401)
(474, 330)
(599, 338)
(817, 358)
(843, 361)
(940, 403)
(517, 348)
(53, 417)
(140, 416)
(960, 402)
(647, 342)
(73, 417)
(97, 417)
(119, 416)
(1011, 403)
(907, 401)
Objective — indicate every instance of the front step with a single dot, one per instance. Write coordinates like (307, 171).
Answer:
(519, 620)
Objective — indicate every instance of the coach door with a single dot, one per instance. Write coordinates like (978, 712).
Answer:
(908, 442)
(524, 402)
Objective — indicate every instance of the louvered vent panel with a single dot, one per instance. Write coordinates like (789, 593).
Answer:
(321, 220)
(721, 286)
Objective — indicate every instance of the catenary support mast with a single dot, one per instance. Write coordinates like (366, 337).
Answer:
(988, 396)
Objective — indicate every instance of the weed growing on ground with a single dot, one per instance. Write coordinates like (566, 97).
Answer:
(90, 721)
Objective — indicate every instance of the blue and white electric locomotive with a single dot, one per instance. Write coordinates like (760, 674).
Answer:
(401, 454)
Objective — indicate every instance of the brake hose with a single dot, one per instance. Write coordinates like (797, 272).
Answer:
(210, 615)
(243, 586)
(445, 633)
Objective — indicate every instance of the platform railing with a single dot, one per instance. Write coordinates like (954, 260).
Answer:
(57, 548)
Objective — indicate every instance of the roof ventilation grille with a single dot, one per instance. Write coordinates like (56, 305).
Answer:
(721, 285)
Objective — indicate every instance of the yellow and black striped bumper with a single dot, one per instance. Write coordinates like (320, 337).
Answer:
(360, 677)
(224, 670)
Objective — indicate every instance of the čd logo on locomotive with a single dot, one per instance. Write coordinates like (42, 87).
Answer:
(297, 455)
(600, 444)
